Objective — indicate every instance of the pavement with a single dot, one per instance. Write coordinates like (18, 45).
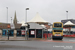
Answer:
(18, 39)
(11, 38)
(65, 39)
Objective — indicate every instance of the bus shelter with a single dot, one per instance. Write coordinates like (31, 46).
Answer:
(69, 24)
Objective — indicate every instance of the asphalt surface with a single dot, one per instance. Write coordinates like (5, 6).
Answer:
(65, 44)
(72, 39)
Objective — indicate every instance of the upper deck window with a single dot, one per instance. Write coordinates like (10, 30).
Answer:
(57, 25)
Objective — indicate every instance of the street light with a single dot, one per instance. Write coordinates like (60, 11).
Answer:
(7, 22)
(7, 14)
(67, 14)
(25, 23)
(11, 20)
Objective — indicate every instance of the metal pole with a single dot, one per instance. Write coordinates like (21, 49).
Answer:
(35, 30)
(7, 14)
(42, 33)
(11, 19)
(26, 23)
(67, 17)
(27, 33)
(7, 21)
(67, 14)
(25, 27)
(8, 35)
(69, 30)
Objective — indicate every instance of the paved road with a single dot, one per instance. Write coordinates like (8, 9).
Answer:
(69, 39)
(38, 45)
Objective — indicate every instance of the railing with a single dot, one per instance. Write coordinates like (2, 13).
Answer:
(47, 36)
(73, 35)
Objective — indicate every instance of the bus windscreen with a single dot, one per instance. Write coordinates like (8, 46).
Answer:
(57, 25)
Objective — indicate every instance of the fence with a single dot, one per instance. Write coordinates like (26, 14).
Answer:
(47, 36)
(73, 35)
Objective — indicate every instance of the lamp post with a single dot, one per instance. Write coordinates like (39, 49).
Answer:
(7, 22)
(42, 32)
(11, 20)
(7, 14)
(25, 23)
(67, 17)
(67, 14)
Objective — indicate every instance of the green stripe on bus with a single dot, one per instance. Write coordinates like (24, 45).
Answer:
(57, 28)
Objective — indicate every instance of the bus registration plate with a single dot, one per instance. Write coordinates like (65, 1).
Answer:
(57, 35)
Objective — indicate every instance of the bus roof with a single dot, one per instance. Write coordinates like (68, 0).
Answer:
(57, 22)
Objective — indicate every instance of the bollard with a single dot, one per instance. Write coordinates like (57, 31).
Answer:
(45, 36)
(0, 33)
(8, 36)
(15, 32)
(49, 36)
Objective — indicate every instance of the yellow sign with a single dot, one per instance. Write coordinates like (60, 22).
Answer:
(27, 33)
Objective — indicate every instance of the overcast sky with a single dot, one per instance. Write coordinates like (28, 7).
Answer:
(49, 10)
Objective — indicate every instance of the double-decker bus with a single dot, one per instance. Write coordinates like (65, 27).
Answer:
(57, 31)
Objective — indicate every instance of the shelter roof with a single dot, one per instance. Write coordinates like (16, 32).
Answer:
(69, 23)
(37, 18)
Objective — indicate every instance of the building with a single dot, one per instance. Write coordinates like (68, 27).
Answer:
(37, 26)
(9, 27)
(66, 20)
(70, 29)
(36, 30)
(17, 25)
